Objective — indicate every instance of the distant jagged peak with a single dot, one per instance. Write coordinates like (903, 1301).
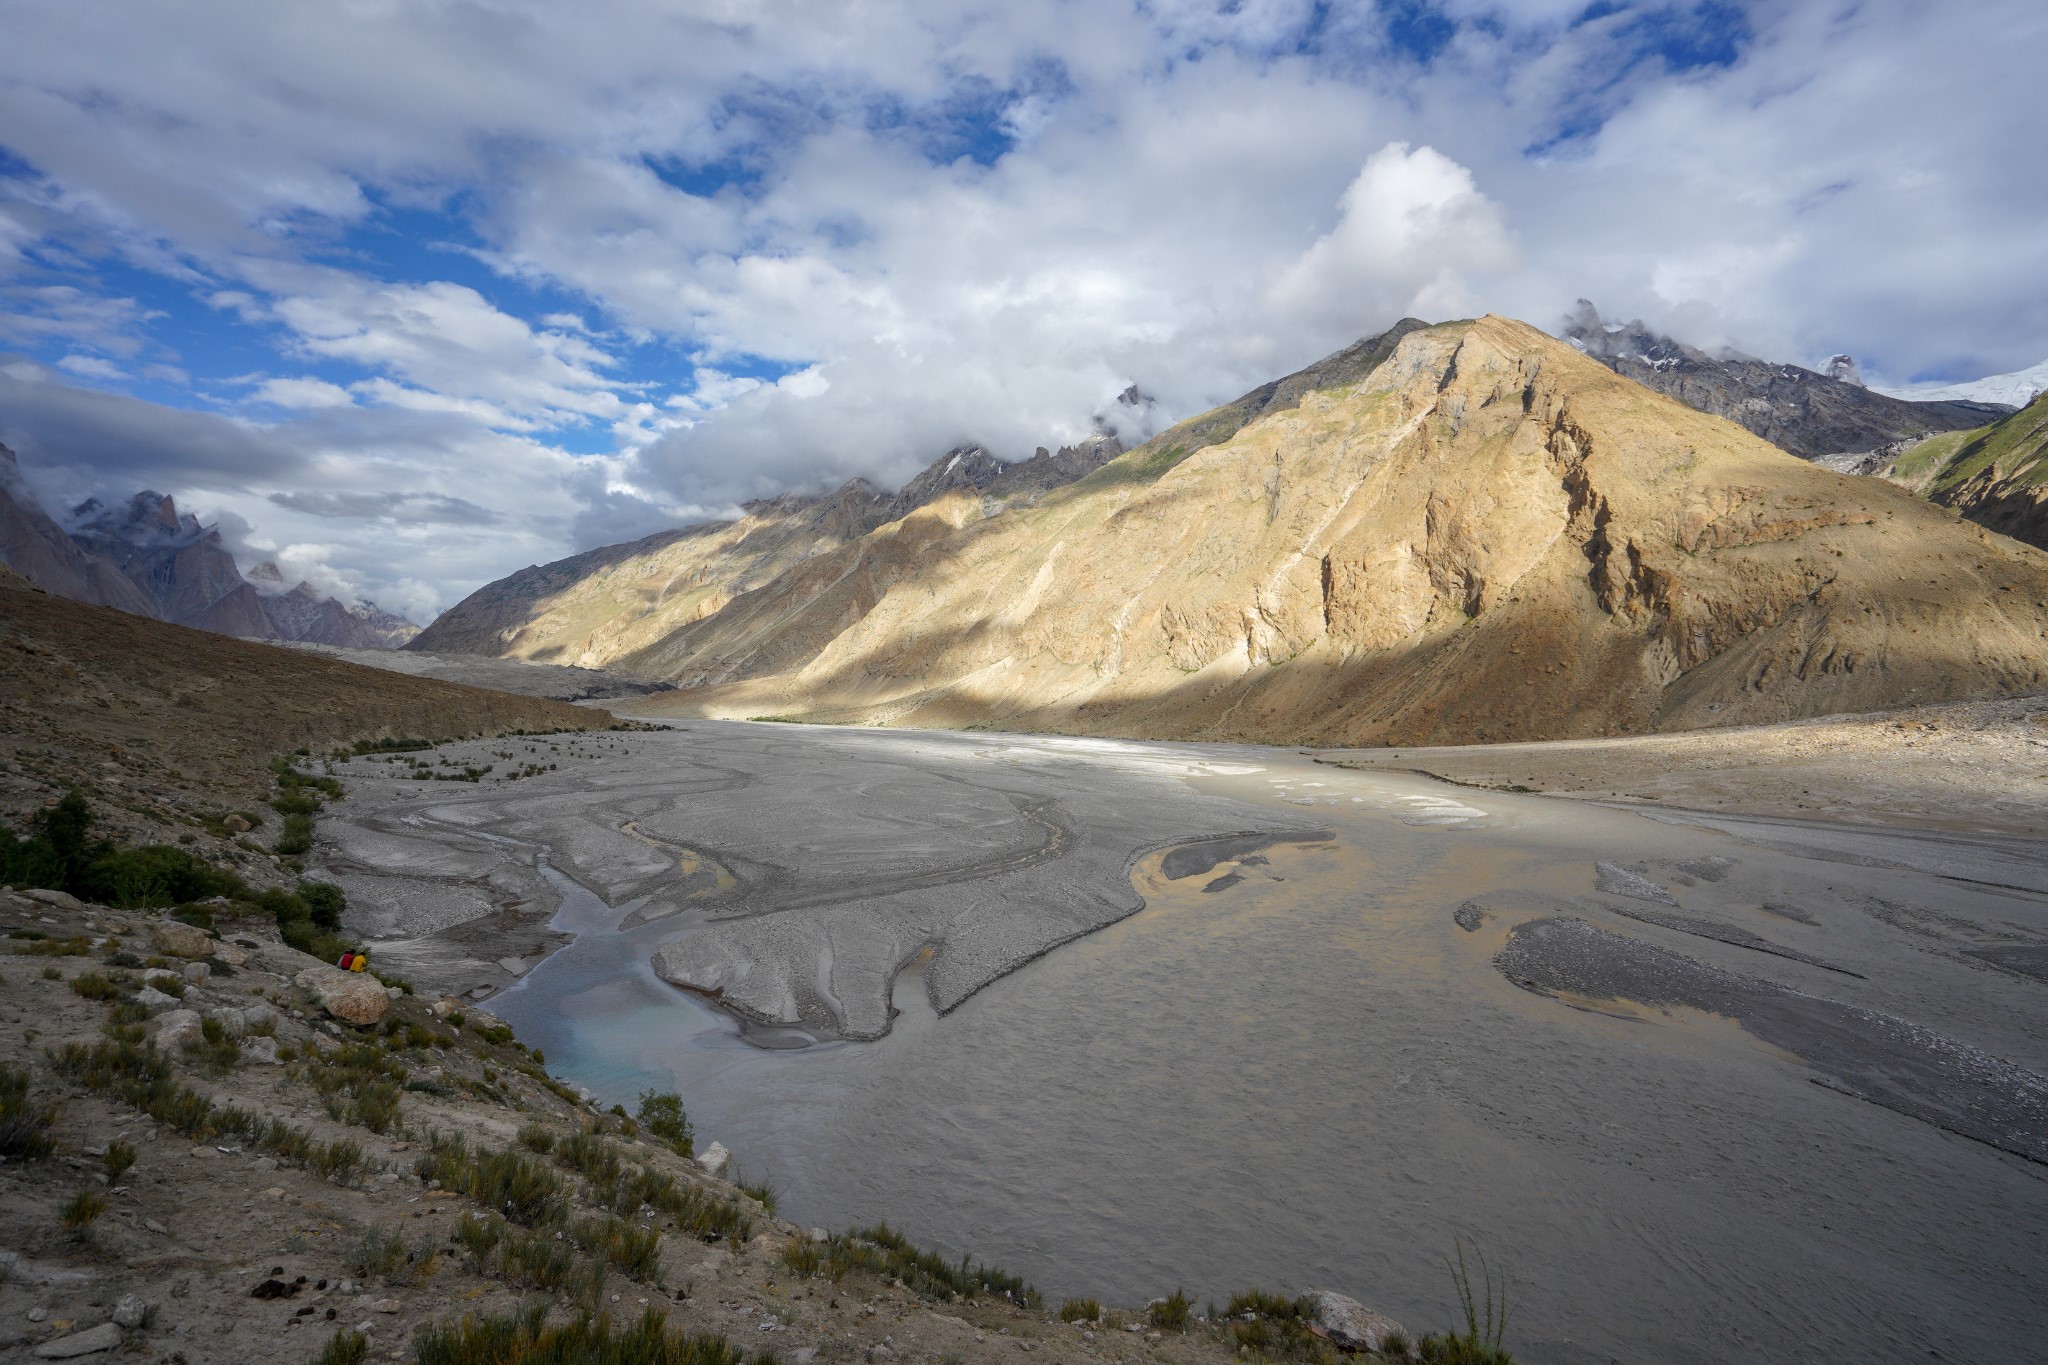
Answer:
(1843, 369)
(267, 578)
(1603, 339)
(146, 520)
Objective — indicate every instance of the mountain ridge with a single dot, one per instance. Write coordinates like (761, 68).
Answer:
(145, 557)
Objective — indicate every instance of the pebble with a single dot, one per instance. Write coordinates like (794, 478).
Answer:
(153, 1226)
(130, 1311)
(384, 1306)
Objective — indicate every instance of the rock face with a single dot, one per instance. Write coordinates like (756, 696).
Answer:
(1997, 475)
(352, 997)
(147, 558)
(182, 940)
(1809, 414)
(1471, 532)
(609, 608)
(1348, 1324)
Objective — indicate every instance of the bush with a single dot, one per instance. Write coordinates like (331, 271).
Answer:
(1081, 1310)
(120, 1160)
(296, 838)
(24, 1122)
(93, 986)
(529, 1339)
(503, 1181)
(345, 1348)
(884, 1251)
(324, 903)
(82, 1210)
(1170, 1313)
(60, 854)
(662, 1115)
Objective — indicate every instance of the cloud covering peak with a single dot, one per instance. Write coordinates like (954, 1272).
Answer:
(439, 293)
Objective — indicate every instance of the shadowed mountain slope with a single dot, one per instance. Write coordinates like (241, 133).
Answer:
(1996, 475)
(1484, 535)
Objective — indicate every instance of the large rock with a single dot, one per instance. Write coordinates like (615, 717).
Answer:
(175, 1028)
(716, 1161)
(154, 1000)
(178, 939)
(352, 997)
(1348, 1324)
(104, 1337)
(59, 900)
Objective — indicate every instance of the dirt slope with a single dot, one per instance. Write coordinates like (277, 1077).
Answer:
(160, 721)
(1491, 536)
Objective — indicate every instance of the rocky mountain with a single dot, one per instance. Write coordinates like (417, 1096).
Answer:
(302, 614)
(1466, 532)
(1996, 475)
(1810, 414)
(146, 557)
(606, 607)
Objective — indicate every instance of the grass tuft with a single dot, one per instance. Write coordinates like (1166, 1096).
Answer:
(24, 1121)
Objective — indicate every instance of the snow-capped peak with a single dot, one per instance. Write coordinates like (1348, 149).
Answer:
(2016, 389)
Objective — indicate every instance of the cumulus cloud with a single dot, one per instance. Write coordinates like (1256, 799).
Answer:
(722, 252)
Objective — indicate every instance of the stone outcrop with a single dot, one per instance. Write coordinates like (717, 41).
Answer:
(352, 997)
(1348, 1324)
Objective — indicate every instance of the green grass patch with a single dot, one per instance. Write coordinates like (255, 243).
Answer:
(881, 1250)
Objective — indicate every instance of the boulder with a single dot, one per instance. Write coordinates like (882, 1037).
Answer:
(230, 954)
(445, 1006)
(130, 1311)
(178, 939)
(715, 1161)
(352, 997)
(1348, 1324)
(175, 1028)
(104, 1337)
(154, 1000)
(196, 972)
(261, 1052)
(61, 900)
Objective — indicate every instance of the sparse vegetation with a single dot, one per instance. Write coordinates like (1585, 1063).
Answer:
(1081, 1310)
(1172, 1313)
(81, 1211)
(529, 1339)
(24, 1120)
(344, 1348)
(120, 1159)
(884, 1251)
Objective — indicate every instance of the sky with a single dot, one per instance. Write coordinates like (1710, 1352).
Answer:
(408, 295)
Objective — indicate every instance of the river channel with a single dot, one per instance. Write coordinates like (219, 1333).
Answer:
(1310, 1063)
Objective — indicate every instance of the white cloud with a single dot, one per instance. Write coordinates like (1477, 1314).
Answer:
(302, 393)
(1196, 196)
(91, 367)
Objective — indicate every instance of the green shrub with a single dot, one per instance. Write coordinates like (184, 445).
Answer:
(884, 1251)
(505, 1182)
(1170, 1313)
(1081, 1310)
(93, 986)
(345, 1348)
(82, 1210)
(529, 1339)
(661, 1113)
(120, 1159)
(296, 837)
(24, 1122)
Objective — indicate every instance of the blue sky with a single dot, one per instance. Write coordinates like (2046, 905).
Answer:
(412, 303)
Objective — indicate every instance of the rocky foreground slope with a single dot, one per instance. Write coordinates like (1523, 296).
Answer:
(167, 727)
(1491, 536)
(1996, 475)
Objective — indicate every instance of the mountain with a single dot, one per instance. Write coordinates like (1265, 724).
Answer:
(1812, 415)
(146, 557)
(2017, 389)
(604, 607)
(304, 615)
(1996, 475)
(1444, 534)
(183, 569)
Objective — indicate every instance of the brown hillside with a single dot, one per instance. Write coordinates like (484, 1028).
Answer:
(1489, 537)
(162, 722)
